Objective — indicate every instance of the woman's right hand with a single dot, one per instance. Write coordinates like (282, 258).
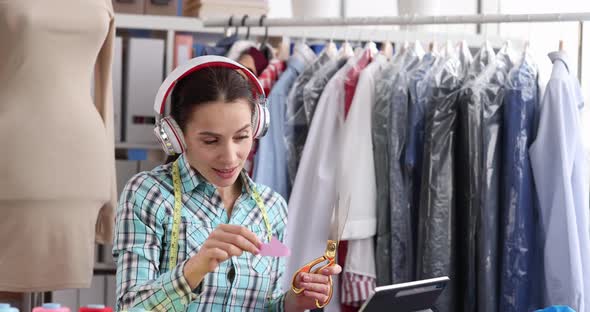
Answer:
(226, 241)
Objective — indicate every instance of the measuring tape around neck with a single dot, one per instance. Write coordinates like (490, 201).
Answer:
(178, 211)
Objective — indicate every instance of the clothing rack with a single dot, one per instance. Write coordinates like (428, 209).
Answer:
(478, 19)
(399, 20)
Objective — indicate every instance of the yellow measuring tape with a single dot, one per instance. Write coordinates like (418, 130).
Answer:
(178, 210)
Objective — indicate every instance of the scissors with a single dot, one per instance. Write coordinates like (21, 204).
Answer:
(336, 228)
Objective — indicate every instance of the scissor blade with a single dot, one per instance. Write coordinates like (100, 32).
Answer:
(339, 218)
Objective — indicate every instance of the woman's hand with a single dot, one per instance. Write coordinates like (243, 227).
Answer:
(317, 287)
(224, 242)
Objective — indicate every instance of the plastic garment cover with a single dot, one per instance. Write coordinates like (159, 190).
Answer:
(296, 126)
(379, 135)
(436, 234)
(480, 148)
(518, 221)
(402, 239)
(418, 91)
(468, 181)
(314, 87)
(380, 124)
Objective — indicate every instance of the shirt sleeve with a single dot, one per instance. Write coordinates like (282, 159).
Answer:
(139, 232)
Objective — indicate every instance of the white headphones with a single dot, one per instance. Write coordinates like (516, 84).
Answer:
(167, 130)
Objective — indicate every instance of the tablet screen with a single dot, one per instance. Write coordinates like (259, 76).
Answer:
(406, 297)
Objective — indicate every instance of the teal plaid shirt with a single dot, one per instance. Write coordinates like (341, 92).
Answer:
(142, 246)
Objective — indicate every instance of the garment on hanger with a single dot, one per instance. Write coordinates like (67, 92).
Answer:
(492, 96)
(317, 180)
(352, 76)
(58, 181)
(437, 206)
(315, 86)
(419, 90)
(482, 102)
(271, 74)
(469, 151)
(520, 274)
(560, 174)
(380, 138)
(270, 163)
(267, 79)
(402, 240)
(357, 182)
(295, 120)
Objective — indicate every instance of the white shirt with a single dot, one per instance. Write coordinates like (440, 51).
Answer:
(314, 189)
(357, 179)
(559, 169)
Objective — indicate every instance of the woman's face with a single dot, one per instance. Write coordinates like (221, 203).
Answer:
(218, 136)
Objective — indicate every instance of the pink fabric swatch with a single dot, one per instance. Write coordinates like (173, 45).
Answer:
(275, 249)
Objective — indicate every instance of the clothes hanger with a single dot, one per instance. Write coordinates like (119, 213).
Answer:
(244, 25)
(346, 50)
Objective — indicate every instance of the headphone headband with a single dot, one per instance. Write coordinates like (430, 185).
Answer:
(195, 64)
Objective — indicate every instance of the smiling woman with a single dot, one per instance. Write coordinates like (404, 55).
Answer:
(189, 232)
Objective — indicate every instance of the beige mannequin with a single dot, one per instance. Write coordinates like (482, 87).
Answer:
(57, 169)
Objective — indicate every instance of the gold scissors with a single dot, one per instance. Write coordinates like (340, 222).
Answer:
(336, 228)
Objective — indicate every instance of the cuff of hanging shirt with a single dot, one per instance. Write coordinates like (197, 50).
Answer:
(278, 304)
(178, 288)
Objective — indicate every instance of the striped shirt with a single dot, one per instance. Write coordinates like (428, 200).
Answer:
(142, 246)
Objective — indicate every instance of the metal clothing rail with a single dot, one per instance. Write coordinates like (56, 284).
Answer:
(398, 20)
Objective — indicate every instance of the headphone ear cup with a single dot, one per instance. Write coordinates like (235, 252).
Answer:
(174, 135)
(262, 120)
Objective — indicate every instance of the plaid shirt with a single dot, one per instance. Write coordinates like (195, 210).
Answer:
(270, 74)
(142, 246)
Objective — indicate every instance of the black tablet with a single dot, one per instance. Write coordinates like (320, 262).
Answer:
(406, 297)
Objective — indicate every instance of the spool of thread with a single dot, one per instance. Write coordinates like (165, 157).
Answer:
(95, 308)
(51, 307)
(5, 307)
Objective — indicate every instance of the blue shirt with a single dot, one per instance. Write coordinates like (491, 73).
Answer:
(559, 170)
(270, 163)
(142, 245)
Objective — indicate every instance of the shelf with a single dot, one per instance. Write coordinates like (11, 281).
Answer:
(146, 146)
(165, 23)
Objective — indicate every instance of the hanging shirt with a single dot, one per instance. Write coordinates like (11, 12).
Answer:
(436, 234)
(142, 245)
(271, 74)
(519, 275)
(418, 93)
(295, 120)
(469, 182)
(270, 163)
(316, 183)
(402, 240)
(357, 184)
(353, 74)
(267, 79)
(315, 86)
(559, 169)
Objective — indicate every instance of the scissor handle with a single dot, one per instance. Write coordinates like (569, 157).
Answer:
(307, 269)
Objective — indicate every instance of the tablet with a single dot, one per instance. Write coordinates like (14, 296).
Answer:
(406, 297)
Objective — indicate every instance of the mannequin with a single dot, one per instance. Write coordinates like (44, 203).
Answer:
(57, 168)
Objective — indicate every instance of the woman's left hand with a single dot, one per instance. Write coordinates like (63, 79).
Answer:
(317, 287)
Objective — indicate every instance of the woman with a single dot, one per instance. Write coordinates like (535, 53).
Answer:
(194, 245)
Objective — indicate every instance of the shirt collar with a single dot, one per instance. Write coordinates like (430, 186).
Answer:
(191, 179)
(561, 56)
